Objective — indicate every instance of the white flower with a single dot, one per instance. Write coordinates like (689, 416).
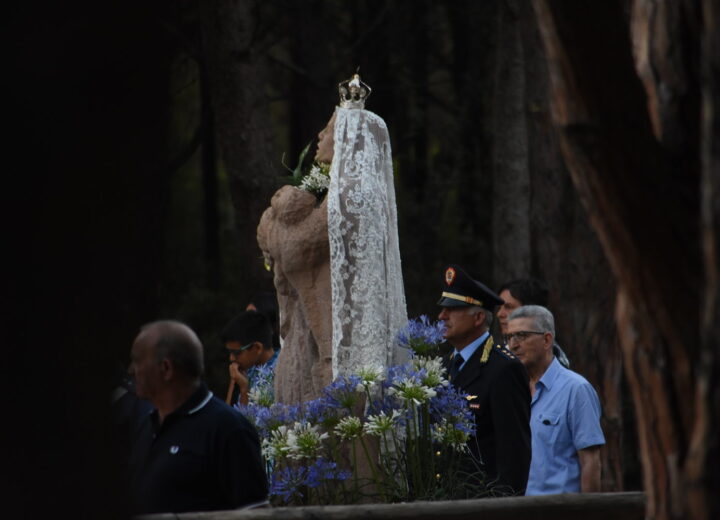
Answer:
(435, 372)
(349, 428)
(317, 180)
(279, 444)
(381, 423)
(262, 395)
(411, 390)
(369, 377)
(306, 441)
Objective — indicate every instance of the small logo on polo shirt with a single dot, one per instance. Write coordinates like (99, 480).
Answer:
(174, 449)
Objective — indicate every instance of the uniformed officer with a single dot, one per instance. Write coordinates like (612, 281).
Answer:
(496, 381)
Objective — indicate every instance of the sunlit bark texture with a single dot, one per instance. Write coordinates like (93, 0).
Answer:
(540, 228)
(632, 149)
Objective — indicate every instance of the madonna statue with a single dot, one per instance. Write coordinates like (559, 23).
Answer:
(363, 308)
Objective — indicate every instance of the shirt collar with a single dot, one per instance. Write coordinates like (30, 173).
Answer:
(470, 349)
(551, 374)
(195, 402)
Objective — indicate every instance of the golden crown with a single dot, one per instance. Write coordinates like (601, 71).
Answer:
(353, 92)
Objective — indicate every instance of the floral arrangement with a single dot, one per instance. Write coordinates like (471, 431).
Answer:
(316, 179)
(372, 436)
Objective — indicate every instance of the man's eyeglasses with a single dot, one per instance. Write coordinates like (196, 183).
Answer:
(520, 336)
(236, 351)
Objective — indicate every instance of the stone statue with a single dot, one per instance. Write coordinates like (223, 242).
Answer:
(337, 263)
(293, 236)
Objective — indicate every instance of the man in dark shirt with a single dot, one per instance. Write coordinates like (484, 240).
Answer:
(193, 452)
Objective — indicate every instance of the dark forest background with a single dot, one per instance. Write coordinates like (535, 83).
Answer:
(149, 139)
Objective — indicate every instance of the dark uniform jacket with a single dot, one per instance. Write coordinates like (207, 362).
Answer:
(500, 399)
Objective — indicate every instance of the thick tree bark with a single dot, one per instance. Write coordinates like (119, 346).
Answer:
(644, 210)
(511, 176)
(235, 67)
(213, 265)
(565, 253)
(702, 468)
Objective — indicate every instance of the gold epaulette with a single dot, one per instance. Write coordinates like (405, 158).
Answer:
(486, 350)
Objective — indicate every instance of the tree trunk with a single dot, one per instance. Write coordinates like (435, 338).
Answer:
(213, 266)
(231, 40)
(511, 176)
(702, 468)
(645, 212)
(566, 254)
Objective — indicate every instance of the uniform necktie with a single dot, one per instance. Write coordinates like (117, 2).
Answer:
(455, 368)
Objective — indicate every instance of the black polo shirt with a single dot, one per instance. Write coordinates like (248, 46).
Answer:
(205, 456)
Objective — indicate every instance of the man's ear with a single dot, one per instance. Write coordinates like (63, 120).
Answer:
(549, 340)
(167, 369)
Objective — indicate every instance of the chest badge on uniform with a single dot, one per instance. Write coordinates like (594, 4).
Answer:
(450, 275)
(174, 449)
(474, 406)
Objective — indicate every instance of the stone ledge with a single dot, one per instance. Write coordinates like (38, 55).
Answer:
(592, 506)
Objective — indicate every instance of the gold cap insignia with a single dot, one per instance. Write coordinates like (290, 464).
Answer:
(450, 275)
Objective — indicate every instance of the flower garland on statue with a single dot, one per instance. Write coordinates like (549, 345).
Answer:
(314, 179)
(417, 423)
(317, 179)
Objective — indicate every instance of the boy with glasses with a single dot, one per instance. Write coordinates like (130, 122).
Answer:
(248, 340)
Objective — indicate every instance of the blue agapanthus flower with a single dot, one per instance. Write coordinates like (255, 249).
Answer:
(286, 483)
(323, 471)
(452, 405)
(344, 392)
(399, 373)
(267, 419)
(257, 414)
(314, 411)
(421, 336)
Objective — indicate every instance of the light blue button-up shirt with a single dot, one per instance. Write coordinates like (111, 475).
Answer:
(470, 349)
(564, 418)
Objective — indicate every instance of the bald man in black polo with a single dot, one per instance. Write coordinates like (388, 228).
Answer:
(193, 452)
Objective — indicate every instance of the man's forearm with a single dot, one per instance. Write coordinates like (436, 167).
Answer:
(590, 467)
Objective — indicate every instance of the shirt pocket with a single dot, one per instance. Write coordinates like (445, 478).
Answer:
(547, 427)
(185, 463)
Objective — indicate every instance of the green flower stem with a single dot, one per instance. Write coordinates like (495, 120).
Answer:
(401, 463)
(355, 470)
(388, 477)
(372, 467)
(416, 477)
(427, 448)
(335, 450)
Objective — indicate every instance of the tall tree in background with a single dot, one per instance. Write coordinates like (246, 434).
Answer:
(636, 161)
(540, 229)
(234, 49)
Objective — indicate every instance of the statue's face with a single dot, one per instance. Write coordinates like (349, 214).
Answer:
(326, 142)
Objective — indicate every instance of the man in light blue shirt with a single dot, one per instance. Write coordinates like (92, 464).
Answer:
(564, 412)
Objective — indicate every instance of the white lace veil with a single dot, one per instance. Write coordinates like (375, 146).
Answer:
(368, 298)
